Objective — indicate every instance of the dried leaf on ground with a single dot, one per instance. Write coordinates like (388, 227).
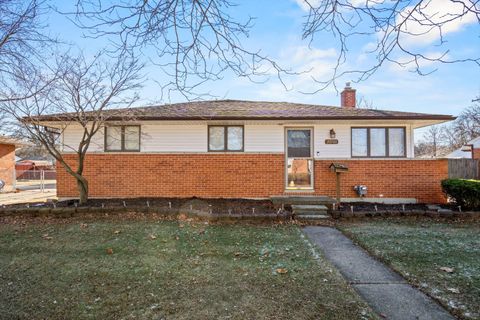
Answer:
(281, 270)
(47, 237)
(109, 251)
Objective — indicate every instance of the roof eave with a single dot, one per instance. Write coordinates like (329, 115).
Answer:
(153, 118)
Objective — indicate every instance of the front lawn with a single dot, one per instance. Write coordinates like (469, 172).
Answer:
(423, 251)
(167, 270)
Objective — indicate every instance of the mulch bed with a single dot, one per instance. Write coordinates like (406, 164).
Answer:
(371, 207)
(231, 207)
(215, 206)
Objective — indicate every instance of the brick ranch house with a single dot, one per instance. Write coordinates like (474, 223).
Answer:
(252, 149)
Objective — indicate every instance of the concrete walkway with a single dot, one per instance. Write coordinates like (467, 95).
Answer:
(383, 289)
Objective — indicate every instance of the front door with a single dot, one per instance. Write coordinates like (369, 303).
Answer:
(299, 158)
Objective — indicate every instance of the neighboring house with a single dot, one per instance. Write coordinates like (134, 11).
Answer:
(30, 167)
(253, 149)
(7, 161)
(465, 152)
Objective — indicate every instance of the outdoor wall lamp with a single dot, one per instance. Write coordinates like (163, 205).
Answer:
(332, 134)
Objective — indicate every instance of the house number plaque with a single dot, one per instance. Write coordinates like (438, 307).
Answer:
(331, 141)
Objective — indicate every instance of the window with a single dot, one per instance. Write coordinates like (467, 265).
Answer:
(225, 138)
(396, 142)
(299, 143)
(378, 142)
(122, 138)
(359, 142)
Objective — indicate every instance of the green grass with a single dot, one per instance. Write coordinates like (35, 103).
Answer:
(419, 249)
(189, 271)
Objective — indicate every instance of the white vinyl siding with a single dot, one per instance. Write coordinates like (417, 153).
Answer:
(259, 137)
(332, 151)
(174, 138)
(73, 134)
(264, 138)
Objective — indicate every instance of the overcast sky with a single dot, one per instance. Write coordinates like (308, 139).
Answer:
(277, 33)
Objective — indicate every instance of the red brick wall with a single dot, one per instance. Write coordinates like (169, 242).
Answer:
(178, 175)
(476, 154)
(418, 179)
(7, 163)
(245, 175)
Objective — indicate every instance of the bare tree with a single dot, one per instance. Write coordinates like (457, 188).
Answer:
(432, 138)
(364, 103)
(82, 92)
(22, 42)
(389, 27)
(451, 136)
(194, 41)
(469, 120)
(465, 128)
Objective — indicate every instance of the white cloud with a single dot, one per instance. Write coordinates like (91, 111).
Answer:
(421, 23)
(358, 3)
(310, 63)
(407, 63)
(302, 54)
(420, 27)
(305, 4)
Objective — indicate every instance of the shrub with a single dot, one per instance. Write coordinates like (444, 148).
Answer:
(465, 193)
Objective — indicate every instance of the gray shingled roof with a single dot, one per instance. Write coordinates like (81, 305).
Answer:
(252, 110)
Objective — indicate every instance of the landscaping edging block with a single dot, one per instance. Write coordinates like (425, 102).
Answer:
(167, 213)
(182, 213)
(447, 215)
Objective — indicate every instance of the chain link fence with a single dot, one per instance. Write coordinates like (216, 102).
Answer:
(36, 179)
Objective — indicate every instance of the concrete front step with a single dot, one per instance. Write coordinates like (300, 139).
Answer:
(313, 217)
(302, 200)
(310, 209)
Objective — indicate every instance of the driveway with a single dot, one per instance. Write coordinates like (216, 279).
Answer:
(30, 192)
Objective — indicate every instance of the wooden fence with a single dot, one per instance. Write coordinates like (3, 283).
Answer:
(464, 168)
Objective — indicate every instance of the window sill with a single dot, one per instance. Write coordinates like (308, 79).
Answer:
(299, 190)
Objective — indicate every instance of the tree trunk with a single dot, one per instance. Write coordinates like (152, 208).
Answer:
(82, 185)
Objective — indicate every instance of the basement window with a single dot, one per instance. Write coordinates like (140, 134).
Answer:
(122, 138)
(378, 142)
(225, 138)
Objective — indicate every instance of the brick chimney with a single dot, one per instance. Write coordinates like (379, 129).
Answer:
(348, 97)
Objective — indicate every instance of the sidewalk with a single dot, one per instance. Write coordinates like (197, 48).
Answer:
(384, 290)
